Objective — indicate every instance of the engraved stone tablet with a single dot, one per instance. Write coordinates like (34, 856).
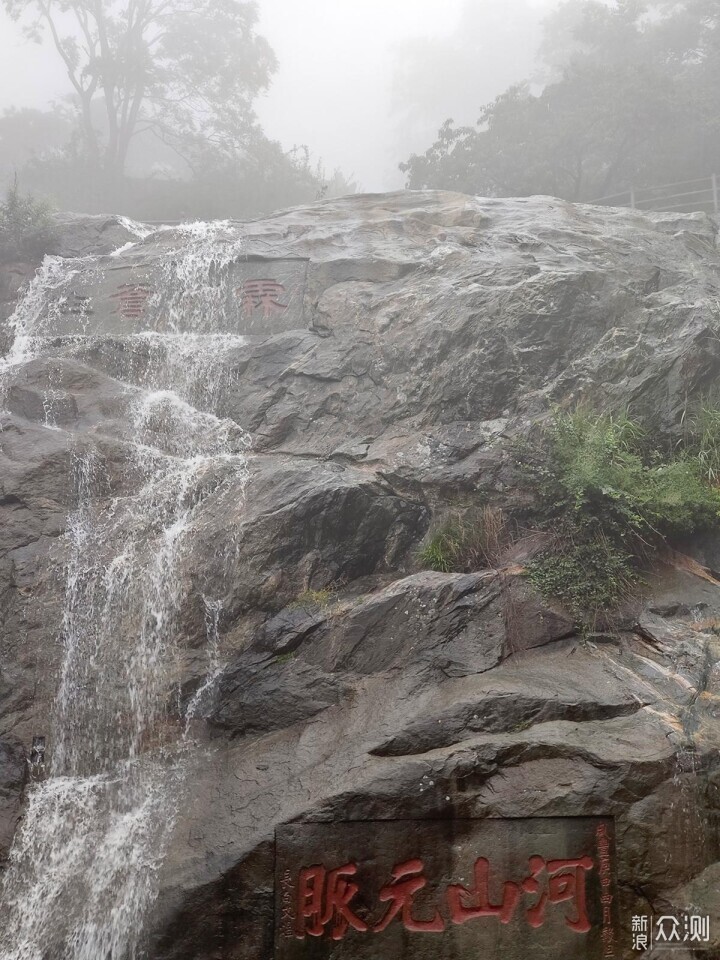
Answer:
(442, 890)
(248, 297)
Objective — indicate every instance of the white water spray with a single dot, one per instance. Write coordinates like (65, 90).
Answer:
(83, 869)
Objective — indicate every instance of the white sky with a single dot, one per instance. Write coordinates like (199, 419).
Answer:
(333, 88)
(337, 88)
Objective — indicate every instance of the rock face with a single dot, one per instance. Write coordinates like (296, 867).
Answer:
(322, 675)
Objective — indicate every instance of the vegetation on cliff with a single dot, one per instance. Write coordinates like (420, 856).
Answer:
(25, 226)
(608, 494)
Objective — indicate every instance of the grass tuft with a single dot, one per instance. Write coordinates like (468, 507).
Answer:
(468, 541)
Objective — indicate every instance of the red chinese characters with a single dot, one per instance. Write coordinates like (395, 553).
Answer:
(606, 898)
(325, 896)
(131, 299)
(566, 881)
(469, 904)
(407, 879)
(265, 294)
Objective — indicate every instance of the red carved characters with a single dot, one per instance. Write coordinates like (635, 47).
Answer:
(407, 879)
(458, 897)
(262, 293)
(132, 299)
(325, 896)
(566, 881)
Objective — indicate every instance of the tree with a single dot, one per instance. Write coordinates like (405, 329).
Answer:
(492, 45)
(633, 98)
(186, 69)
(263, 178)
(26, 226)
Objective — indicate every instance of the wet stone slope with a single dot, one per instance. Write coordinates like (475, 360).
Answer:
(221, 446)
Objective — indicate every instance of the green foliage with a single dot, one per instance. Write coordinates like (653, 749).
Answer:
(610, 497)
(25, 226)
(467, 541)
(284, 657)
(165, 89)
(705, 439)
(258, 178)
(607, 494)
(605, 469)
(588, 577)
(314, 598)
(440, 552)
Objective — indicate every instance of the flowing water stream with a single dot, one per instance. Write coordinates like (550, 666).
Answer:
(83, 869)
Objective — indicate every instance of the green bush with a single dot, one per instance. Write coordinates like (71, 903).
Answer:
(604, 469)
(587, 577)
(314, 598)
(25, 226)
(611, 497)
(468, 541)
(440, 552)
(704, 440)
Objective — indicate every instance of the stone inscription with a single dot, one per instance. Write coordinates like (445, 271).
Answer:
(540, 888)
(131, 299)
(265, 295)
(248, 298)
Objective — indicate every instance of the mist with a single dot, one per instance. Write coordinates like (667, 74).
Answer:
(242, 108)
(361, 83)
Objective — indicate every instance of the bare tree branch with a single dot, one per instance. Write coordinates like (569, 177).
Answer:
(147, 62)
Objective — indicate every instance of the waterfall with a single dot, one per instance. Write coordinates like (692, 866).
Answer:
(83, 869)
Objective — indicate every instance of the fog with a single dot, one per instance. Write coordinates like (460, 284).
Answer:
(206, 110)
(362, 83)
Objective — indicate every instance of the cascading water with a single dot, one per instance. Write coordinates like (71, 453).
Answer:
(83, 869)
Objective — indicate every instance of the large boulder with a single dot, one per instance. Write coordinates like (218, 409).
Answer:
(290, 403)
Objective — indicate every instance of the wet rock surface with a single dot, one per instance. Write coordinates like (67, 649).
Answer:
(346, 684)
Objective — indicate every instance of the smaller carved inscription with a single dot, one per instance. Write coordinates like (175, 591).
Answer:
(288, 915)
(606, 898)
(75, 304)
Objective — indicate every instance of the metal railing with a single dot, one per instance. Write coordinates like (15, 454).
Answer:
(689, 196)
